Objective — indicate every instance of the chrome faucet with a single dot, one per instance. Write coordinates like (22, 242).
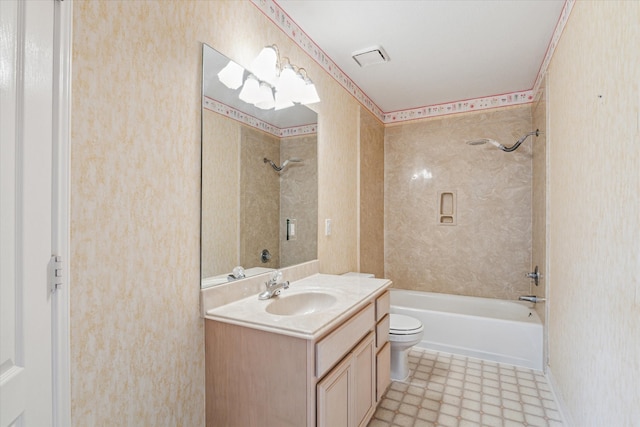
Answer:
(274, 286)
(531, 298)
(535, 275)
(236, 274)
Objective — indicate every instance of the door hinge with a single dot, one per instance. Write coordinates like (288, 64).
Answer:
(55, 273)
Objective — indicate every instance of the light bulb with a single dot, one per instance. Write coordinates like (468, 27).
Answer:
(282, 101)
(265, 64)
(231, 75)
(266, 101)
(287, 82)
(309, 94)
(250, 92)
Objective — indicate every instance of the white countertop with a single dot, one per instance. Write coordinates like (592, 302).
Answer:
(351, 294)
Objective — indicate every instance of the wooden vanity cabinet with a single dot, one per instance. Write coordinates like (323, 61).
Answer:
(346, 395)
(256, 377)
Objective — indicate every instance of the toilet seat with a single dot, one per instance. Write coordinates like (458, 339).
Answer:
(404, 325)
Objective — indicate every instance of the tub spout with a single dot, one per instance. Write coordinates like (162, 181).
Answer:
(531, 298)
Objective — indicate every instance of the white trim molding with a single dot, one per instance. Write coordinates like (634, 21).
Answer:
(567, 420)
(62, 44)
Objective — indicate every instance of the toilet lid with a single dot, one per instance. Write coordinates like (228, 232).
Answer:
(401, 324)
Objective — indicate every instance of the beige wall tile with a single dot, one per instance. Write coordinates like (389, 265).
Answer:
(488, 251)
(299, 199)
(539, 199)
(259, 199)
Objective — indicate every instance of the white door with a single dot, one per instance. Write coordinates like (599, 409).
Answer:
(26, 70)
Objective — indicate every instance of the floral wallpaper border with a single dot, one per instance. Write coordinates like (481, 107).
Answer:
(237, 115)
(271, 9)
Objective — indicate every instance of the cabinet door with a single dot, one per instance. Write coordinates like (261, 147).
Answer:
(383, 368)
(364, 380)
(334, 396)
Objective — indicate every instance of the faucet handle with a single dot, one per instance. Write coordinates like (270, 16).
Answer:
(535, 275)
(276, 276)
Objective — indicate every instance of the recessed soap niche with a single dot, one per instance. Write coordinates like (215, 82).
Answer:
(447, 207)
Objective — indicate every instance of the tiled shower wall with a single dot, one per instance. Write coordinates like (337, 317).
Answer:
(486, 249)
(255, 195)
(299, 199)
(539, 197)
(259, 198)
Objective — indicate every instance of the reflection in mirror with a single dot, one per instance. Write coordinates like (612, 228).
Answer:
(253, 214)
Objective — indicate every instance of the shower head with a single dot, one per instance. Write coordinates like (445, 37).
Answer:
(484, 141)
(514, 147)
(284, 165)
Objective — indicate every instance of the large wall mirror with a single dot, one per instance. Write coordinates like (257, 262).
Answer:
(254, 215)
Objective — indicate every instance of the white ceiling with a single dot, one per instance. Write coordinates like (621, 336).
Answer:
(440, 51)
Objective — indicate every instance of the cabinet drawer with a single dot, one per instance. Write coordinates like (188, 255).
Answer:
(383, 302)
(382, 331)
(383, 370)
(339, 342)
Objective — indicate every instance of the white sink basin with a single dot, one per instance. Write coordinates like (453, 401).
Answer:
(300, 304)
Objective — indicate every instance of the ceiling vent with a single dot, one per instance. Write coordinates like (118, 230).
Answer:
(371, 56)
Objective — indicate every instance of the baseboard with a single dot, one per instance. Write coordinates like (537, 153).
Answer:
(567, 420)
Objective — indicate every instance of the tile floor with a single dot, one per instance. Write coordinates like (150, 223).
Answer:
(456, 391)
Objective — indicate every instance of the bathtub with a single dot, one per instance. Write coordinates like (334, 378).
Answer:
(491, 329)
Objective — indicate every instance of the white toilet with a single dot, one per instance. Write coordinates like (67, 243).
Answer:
(404, 333)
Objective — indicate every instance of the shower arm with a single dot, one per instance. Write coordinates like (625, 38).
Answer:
(515, 146)
(284, 165)
(273, 165)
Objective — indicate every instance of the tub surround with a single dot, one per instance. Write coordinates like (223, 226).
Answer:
(488, 250)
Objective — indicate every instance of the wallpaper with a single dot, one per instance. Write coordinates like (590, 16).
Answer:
(137, 350)
(371, 195)
(220, 194)
(594, 214)
(137, 347)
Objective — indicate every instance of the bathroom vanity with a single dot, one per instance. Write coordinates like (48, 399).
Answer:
(317, 355)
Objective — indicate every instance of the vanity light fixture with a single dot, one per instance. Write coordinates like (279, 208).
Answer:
(270, 73)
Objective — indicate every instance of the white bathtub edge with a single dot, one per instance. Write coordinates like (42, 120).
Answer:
(478, 354)
(515, 339)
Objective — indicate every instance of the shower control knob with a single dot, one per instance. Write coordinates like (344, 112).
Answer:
(534, 275)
